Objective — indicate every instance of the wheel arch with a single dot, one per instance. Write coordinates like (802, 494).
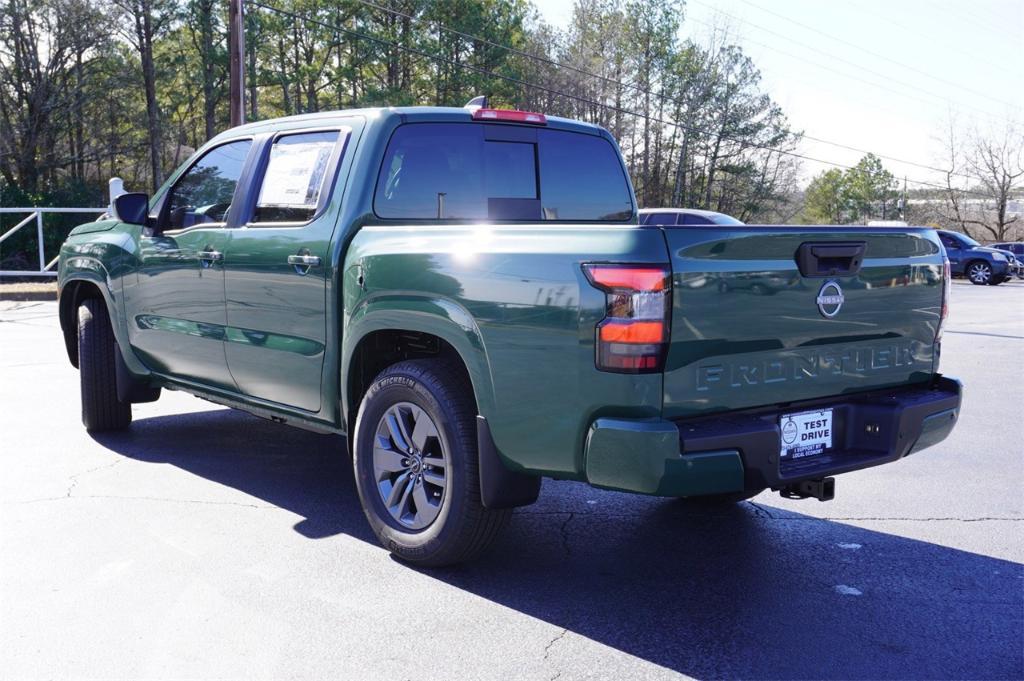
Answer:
(377, 346)
(389, 330)
(72, 294)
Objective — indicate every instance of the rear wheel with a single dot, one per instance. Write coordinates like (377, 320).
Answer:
(979, 272)
(416, 468)
(101, 410)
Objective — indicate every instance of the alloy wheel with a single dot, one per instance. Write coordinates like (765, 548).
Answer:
(980, 273)
(410, 466)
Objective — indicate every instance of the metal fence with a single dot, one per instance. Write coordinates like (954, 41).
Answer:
(36, 215)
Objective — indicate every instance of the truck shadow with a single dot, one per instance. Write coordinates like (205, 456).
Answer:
(748, 591)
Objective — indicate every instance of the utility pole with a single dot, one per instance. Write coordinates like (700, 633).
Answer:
(236, 48)
(903, 200)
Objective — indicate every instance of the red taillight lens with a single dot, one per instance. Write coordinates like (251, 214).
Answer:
(510, 115)
(633, 336)
(613, 331)
(631, 278)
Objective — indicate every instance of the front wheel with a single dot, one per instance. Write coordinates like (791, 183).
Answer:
(980, 273)
(416, 467)
(97, 369)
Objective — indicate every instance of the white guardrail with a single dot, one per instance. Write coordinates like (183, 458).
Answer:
(36, 215)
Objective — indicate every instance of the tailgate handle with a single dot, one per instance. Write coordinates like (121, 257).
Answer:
(834, 258)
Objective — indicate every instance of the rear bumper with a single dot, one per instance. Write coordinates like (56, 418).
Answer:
(740, 450)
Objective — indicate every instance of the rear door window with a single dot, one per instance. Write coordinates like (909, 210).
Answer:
(478, 172)
(295, 183)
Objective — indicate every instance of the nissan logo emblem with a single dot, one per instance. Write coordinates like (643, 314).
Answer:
(830, 299)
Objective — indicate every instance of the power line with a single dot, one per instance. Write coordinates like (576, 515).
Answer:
(857, 66)
(507, 48)
(859, 7)
(842, 73)
(523, 83)
(663, 97)
(873, 53)
(974, 19)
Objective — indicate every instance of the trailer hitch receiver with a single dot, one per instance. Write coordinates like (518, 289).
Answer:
(822, 489)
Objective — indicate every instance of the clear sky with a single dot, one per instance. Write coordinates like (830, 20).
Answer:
(878, 75)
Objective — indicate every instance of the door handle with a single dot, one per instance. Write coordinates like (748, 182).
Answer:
(211, 256)
(304, 260)
(838, 258)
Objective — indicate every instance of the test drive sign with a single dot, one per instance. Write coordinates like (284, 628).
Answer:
(805, 434)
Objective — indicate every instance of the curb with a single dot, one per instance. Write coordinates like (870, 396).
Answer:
(22, 296)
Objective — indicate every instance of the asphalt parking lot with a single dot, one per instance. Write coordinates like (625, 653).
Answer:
(205, 543)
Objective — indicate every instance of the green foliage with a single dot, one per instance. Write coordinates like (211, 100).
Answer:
(826, 199)
(695, 127)
(871, 189)
(865, 192)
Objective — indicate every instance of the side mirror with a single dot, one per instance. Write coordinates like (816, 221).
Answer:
(132, 208)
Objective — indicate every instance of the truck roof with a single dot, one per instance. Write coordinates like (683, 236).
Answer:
(691, 211)
(409, 113)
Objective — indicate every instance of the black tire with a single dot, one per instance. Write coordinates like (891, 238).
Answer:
(101, 410)
(719, 500)
(462, 528)
(978, 272)
(996, 281)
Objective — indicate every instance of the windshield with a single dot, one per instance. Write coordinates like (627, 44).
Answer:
(968, 240)
(723, 219)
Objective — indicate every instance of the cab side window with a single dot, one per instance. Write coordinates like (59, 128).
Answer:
(691, 219)
(660, 219)
(296, 180)
(204, 193)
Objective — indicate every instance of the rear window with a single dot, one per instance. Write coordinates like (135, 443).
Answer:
(498, 172)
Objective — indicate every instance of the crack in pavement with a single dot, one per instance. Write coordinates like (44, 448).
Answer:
(556, 639)
(906, 519)
(762, 513)
(565, 534)
(172, 500)
(74, 478)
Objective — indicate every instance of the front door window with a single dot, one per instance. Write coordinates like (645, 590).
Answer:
(204, 193)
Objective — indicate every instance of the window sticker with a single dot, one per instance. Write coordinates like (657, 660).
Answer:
(295, 174)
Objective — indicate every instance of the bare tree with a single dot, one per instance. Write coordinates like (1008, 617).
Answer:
(983, 172)
(996, 160)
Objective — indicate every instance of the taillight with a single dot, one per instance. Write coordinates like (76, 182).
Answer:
(947, 276)
(633, 336)
(510, 115)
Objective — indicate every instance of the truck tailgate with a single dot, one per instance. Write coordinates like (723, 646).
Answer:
(750, 329)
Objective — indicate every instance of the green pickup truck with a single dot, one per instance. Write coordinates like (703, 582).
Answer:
(468, 297)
